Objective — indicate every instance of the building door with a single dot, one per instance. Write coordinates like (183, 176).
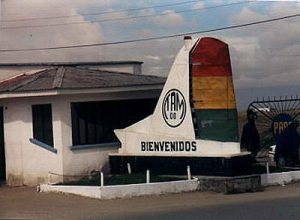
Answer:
(2, 152)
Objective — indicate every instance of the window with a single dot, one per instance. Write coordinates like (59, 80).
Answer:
(94, 122)
(42, 123)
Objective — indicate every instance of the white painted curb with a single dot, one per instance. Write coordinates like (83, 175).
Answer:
(283, 178)
(124, 191)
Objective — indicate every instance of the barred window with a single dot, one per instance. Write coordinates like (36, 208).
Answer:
(94, 122)
(42, 123)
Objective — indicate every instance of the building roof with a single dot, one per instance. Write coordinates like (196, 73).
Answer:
(70, 63)
(66, 77)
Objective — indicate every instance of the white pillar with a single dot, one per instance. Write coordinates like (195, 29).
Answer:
(49, 178)
(101, 179)
(128, 168)
(147, 176)
(267, 167)
(188, 169)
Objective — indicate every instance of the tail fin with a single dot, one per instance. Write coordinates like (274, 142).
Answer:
(197, 101)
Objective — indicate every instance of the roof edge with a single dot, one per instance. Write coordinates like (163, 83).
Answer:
(72, 63)
(53, 92)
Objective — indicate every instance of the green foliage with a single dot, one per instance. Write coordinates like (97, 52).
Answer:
(121, 179)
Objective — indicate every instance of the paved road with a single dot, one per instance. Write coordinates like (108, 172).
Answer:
(274, 203)
(267, 209)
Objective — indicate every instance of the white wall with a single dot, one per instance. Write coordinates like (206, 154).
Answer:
(29, 164)
(80, 162)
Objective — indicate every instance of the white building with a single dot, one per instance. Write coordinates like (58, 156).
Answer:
(60, 117)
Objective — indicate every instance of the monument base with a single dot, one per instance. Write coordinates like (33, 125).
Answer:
(234, 165)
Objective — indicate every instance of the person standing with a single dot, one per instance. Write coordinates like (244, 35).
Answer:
(287, 146)
(250, 139)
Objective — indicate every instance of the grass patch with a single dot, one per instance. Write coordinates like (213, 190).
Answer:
(121, 179)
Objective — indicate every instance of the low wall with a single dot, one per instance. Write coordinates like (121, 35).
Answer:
(272, 179)
(237, 184)
(123, 191)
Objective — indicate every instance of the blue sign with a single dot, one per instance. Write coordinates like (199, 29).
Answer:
(280, 122)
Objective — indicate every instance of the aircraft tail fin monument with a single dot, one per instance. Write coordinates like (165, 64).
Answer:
(194, 122)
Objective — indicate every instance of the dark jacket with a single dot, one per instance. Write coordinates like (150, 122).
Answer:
(250, 137)
(288, 143)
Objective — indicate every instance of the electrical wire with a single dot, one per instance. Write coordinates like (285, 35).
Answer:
(123, 10)
(155, 38)
(122, 18)
(101, 13)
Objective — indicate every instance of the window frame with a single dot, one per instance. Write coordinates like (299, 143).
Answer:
(42, 125)
(105, 106)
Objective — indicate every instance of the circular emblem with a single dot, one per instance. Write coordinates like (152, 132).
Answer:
(280, 122)
(174, 108)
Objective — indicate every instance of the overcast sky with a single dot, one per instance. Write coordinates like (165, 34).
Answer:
(263, 56)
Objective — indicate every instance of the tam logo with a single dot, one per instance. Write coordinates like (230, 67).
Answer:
(174, 108)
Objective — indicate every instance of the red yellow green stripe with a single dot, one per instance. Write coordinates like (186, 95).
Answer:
(213, 93)
(213, 99)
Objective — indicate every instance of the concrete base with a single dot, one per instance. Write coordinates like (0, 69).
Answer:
(227, 185)
(217, 184)
(177, 165)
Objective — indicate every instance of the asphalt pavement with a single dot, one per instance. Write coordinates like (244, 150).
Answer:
(282, 202)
